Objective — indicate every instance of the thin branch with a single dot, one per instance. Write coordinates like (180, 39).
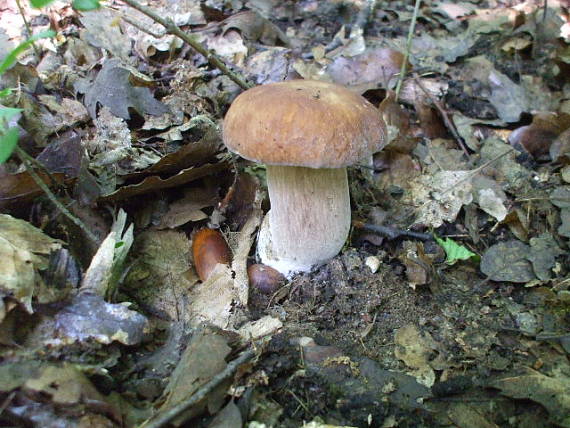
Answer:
(404, 68)
(165, 417)
(450, 126)
(392, 232)
(172, 28)
(28, 162)
(140, 26)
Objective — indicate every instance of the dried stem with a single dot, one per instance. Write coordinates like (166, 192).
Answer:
(449, 125)
(404, 68)
(28, 162)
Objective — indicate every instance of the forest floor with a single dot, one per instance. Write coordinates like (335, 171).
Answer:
(448, 306)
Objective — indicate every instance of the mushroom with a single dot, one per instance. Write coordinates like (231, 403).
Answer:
(307, 133)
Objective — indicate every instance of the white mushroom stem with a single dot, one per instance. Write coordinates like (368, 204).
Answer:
(309, 219)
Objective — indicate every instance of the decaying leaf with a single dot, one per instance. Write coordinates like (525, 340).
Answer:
(544, 251)
(21, 188)
(162, 273)
(213, 299)
(155, 182)
(418, 267)
(492, 204)
(552, 392)
(67, 386)
(414, 348)
(255, 27)
(24, 250)
(189, 207)
(441, 196)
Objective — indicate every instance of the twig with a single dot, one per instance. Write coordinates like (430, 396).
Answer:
(7, 402)
(28, 29)
(392, 232)
(27, 160)
(477, 170)
(404, 68)
(172, 28)
(165, 417)
(450, 126)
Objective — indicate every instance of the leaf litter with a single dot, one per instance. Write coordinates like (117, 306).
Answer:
(124, 125)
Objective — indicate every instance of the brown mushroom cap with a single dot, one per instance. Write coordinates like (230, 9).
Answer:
(303, 123)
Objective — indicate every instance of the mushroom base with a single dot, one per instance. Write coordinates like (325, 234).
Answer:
(309, 219)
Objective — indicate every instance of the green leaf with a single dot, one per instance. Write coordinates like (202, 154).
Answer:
(85, 5)
(5, 92)
(8, 141)
(7, 113)
(40, 3)
(454, 251)
(13, 54)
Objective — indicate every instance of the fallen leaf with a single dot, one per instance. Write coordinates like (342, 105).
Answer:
(203, 359)
(544, 251)
(551, 392)
(67, 386)
(375, 68)
(507, 261)
(24, 250)
(112, 88)
(415, 349)
(441, 196)
(101, 30)
(162, 273)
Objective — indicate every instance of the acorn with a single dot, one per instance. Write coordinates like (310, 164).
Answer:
(209, 248)
(264, 278)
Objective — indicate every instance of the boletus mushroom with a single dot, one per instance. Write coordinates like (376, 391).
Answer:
(307, 133)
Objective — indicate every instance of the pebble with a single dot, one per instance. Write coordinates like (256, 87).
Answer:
(373, 263)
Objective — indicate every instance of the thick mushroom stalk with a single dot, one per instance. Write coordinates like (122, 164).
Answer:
(309, 219)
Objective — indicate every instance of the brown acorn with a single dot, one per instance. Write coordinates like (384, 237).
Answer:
(264, 278)
(209, 248)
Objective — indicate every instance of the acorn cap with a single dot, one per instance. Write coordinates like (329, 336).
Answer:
(303, 123)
